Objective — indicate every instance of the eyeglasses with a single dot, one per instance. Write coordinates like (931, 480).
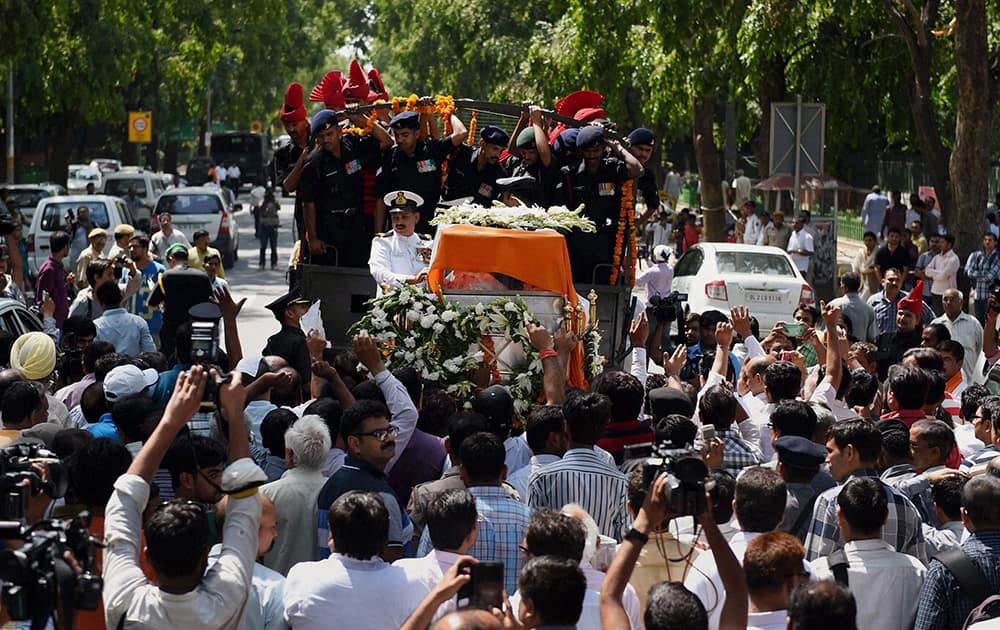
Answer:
(380, 434)
(524, 549)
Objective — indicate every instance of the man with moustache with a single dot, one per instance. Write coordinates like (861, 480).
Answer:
(531, 155)
(290, 159)
(473, 172)
(331, 190)
(596, 182)
(414, 164)
(401, 256)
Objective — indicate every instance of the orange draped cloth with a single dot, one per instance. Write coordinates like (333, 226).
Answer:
(536, 258)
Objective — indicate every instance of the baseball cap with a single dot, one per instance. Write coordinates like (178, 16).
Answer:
(496, 403)
(128, 380)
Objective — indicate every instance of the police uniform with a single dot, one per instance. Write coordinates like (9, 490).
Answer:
(289, 343)
(396, 258)
(419, 173)
(600, 193)
(645, 184)
(334, 185)
(542, 189)
(465, 179)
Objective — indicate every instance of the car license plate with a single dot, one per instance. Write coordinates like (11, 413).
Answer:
(764, 297)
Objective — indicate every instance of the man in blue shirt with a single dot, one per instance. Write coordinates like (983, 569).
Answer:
(873, 212)
(138, 304)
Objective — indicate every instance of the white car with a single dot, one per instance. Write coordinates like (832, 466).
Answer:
(719, 276)
(105, 211)
(206, 208)
(80, 175)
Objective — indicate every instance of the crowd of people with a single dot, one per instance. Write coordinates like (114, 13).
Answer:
(840, 472)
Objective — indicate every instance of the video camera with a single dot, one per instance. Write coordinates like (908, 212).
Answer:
(668, 308)
(994, 297)
(36, 579)
(686, 472)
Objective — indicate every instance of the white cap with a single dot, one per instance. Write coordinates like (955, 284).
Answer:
(128, 380)
(250, 365)
(661, 253)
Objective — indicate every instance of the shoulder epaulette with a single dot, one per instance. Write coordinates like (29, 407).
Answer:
(426, 237)
(383, 234)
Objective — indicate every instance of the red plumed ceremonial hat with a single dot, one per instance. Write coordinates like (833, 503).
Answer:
(330, 91)
(294, 109)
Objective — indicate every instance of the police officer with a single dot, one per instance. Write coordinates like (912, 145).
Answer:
(641, 142)
(330, 188)
(596, 182)
(289, 343)
(289, 160)
(401, 256)
(474, 172)
(415, 164)
(531, 155)
(179, 288)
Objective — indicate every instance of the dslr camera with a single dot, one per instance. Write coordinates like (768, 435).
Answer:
(35, 578)
(686, 472)
(994, 298)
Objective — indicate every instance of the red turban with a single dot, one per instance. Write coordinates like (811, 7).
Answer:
(377, 87)
(294, 109)
(357, 86)
(914, 301)
(330, 91)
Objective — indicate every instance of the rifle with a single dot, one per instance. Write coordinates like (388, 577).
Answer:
(515, 111)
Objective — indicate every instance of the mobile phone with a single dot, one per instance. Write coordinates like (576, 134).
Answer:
(707, 432)
(485, 589)
(45, 296)
(795, 329)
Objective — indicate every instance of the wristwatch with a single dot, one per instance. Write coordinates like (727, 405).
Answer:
(637, 536)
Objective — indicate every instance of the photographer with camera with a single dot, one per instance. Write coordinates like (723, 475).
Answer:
(663, 306)
(177, 534)
(671, 605)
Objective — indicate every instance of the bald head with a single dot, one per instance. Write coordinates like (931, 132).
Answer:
(268, 530)
(468, 620)
(952, 301)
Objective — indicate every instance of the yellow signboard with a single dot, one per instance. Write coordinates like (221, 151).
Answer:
(256, 126)
(140, 126)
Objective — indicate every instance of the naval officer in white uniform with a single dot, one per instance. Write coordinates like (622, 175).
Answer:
(400, 256)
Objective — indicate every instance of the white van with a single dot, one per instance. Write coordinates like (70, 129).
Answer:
(50, 217)
(148, 186)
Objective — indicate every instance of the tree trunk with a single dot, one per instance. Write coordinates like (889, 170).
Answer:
(915, 28)
(976, 101)
(60, 141)
(771, 89)
(707, 155)
(170, 157)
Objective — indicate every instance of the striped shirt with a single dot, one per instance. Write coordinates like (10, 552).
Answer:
(981, 457)
(503, 522)
(737, 453)
(983, 270)
(901, 530)
(583, 477)
(942, 603)
(885, 311)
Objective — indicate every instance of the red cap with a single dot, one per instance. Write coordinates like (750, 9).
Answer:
(572, 103)
(330, 91)
(377, 87)
(914, 301)
(357, 87)
(294, 109)
(590, 114)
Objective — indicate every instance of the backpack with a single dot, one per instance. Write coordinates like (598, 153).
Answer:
(267, 214)
(972, 583)
(989, 609)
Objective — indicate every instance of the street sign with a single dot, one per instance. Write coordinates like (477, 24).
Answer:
(801, 125)
(256, 126)
(140, 126)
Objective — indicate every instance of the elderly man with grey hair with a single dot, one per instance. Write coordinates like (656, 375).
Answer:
(964, 328)
(294, 496)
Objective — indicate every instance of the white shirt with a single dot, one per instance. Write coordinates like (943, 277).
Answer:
(395, 258)
(742, 185)
(220, 599)
(943, 269)
(590, 617)
(656, 279)
(801, 240)
(294, 497)
(966, 330)
(826, 394)
(886, 584)
(519, 478)
(160, 242)
(704, 581)
(753, 230)
(428, 571)
(265, 610)
(344, 592)
(234, 171)
(221, 173)
(770, 620)
(946, 536)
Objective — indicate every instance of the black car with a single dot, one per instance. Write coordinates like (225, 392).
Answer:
(197, 171)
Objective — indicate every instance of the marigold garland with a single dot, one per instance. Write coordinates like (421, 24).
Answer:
(626, 224)
(472, 127)
(369, 127)
(491, 357)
